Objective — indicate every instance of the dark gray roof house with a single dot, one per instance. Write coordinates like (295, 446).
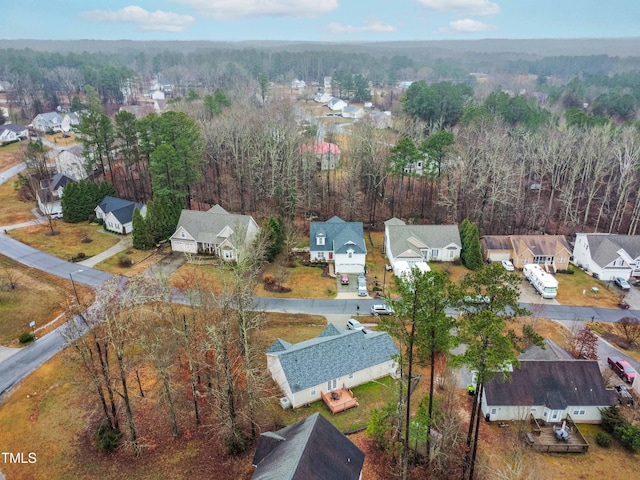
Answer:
(549, 389)
(341, 357)
(340, 242)
(311, 449)
(117, 213)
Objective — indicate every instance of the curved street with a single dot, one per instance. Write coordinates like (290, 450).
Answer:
(18, 365)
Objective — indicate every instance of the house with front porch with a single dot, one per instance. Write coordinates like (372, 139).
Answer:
(414, 244)
(336, 359)
(214, 232)
(608, 255)
(551, 252)
(549, 390)
(338, 242)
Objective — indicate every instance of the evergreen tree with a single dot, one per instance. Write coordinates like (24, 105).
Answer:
(79, 200)
(140, 235)
(162, 218)
(473, 257)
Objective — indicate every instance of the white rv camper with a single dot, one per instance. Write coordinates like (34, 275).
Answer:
(543, 282)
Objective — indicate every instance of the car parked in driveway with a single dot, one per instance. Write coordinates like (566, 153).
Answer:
(508, 266)
(353, 324)
(381, 309)
(622, 283)
(623, 368)
(344, 279)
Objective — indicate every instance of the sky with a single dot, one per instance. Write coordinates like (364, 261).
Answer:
(317, 20)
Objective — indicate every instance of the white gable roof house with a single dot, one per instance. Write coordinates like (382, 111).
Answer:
(338, 242)
(12, 132)
(353, 111)
(411, 245)
(49, 193)
(336, 359)
(117, 214)
(336, 104)
(45, 122)
(607, 255)
(213, 232)
(322, 97)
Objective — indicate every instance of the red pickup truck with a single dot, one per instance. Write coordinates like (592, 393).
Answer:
(623, 368)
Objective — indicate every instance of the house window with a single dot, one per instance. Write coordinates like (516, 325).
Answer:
(494, 411)
(320, 239)
(182, 234)
(313, 391)
(332, 384)
(351, 375)
(320, 255)
(435, 253)
(227, 254)
(561, 260)
(350, 253)
(554, 416)
(542, 259)
(579, 411)
(533, 409)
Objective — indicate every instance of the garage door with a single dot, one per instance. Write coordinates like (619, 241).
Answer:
(183, 246)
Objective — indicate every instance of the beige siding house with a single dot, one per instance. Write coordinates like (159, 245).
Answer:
(552, 252)
(214, 232)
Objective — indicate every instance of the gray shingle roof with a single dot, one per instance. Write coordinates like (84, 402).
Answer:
(404, 237)
(120, 208)
(311, 449)
(324, 358)
(554, 383)
(13, 127)
(205, 227)
(603, 247)
(551, 351)
(340, 236)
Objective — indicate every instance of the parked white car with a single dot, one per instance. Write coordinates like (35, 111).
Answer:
(381, 309)
(353, 324)
(508, 266)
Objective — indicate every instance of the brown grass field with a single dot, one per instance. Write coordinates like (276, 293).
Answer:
(67, 243)
(38, 297)
(304, 282)
(142, 259)
(10, 155)
(13, 210)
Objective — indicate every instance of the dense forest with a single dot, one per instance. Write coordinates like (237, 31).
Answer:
(515, 142)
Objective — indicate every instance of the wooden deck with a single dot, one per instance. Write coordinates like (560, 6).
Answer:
(543, 439)
(339, 400)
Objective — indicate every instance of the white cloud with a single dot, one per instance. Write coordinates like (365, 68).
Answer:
(370, 25)
(467, 7)
(228, 9)
(466, 26)
(145, 20)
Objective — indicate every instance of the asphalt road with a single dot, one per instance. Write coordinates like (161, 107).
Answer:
(19, 365)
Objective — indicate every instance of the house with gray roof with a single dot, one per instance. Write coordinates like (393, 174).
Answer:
(215, 232)
(549, 390)
(311, 449)
(49, 193)
(47, 122)
(71, 162)
(117, 214)
(336, 104)
(339, 242)
(12, 132)
(608, 255)
(335, 359)
(412, 244)
(353, 111)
